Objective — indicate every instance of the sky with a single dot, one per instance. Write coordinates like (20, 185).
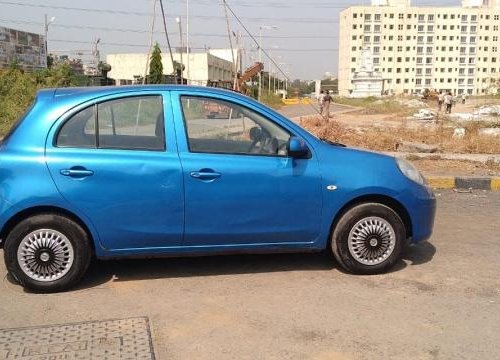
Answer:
(301, 36)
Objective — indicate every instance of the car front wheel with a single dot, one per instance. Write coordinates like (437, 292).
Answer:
(368, 239)
(47, 253)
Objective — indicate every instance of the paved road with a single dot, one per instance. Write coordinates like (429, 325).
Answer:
(441, 302)
(304, 110)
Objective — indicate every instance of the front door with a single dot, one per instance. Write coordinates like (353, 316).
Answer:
(241, 188)
(111, 162)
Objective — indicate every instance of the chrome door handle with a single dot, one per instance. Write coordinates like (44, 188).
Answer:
(205, 175)
(77, 173)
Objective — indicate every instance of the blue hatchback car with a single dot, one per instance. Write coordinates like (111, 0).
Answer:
(178, 170)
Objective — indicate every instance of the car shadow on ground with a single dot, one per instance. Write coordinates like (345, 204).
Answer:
(159, 268)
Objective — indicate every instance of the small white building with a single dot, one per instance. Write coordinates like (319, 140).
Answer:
(126, 68)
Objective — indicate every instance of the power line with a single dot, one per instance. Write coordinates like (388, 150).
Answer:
(139, 31)
(193, 48)
(203, 17)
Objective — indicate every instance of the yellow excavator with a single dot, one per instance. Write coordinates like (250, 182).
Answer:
(241, 79)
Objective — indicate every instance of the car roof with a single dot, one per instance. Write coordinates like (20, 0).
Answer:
(108, 90)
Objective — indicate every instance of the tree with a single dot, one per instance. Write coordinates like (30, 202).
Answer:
(155, 66)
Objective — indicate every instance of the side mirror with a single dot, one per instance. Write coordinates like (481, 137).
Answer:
(297, 148)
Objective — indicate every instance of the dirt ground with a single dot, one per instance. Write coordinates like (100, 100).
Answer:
(442, 301)
(383, 132)
(457, 168)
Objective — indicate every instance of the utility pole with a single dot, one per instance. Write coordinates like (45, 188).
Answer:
(96, 55)
(178, 19)
(187, 42)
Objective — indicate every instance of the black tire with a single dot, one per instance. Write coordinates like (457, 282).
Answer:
(361, 214)
(75, 238)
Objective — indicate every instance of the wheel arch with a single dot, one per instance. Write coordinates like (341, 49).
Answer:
(380, 199)
(39, 210)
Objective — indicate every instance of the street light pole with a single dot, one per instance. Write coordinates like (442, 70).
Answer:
(178, 19)
(261, 27)
(46, 28)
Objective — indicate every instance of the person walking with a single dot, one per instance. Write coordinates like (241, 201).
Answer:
(321, 101)
(440, 101)
(448, 101)
(326, 104)
(463, 99)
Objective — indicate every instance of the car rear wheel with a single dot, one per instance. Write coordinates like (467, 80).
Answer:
(47, 253)
(368, 239)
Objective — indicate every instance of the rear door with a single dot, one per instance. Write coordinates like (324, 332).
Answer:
(115, 160)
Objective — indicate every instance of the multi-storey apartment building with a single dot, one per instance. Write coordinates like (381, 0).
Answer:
(415, 48)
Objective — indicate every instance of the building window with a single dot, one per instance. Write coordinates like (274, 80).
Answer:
(398, 81)
(473, 29)
(421, 17)
(399, 59)
(366, 39)
(472, 50)
(428, 71)
(429, 50)
(495, 27)
(391, 27)
(427, 82)
(408, 16)
(430, 17)
(377, 17)
(376, 28)
(430, 39)
(354, 27)
(495, 17)
(420, 28)
(354, 16)
(376, 39)
(445, 27)
(391, 16)
(419, 71)
(420, 39)
(430, 28)
(470, 81)
(464, 18)
(354, 37)
(428, 60)
(353, 59)
(462, 60)
(495, 38)
(461, 71)
(420, 49)
(376, 49)
(400, 48)
(463, 29)
(367, 28)
(368, 17)
(401, 16)
(353, 48)
(400, 27)
(473, 18)
(471, 61)
(462, 50)
(472, 39)
(400, 37)
(461, 81)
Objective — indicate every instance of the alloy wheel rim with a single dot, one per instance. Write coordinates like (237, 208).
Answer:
(371, 240)
(45, 255)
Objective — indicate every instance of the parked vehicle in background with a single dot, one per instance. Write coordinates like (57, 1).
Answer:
(144, 171)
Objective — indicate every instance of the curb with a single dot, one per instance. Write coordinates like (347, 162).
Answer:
(459, 182)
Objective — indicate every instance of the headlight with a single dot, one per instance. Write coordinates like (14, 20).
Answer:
(410, 171)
